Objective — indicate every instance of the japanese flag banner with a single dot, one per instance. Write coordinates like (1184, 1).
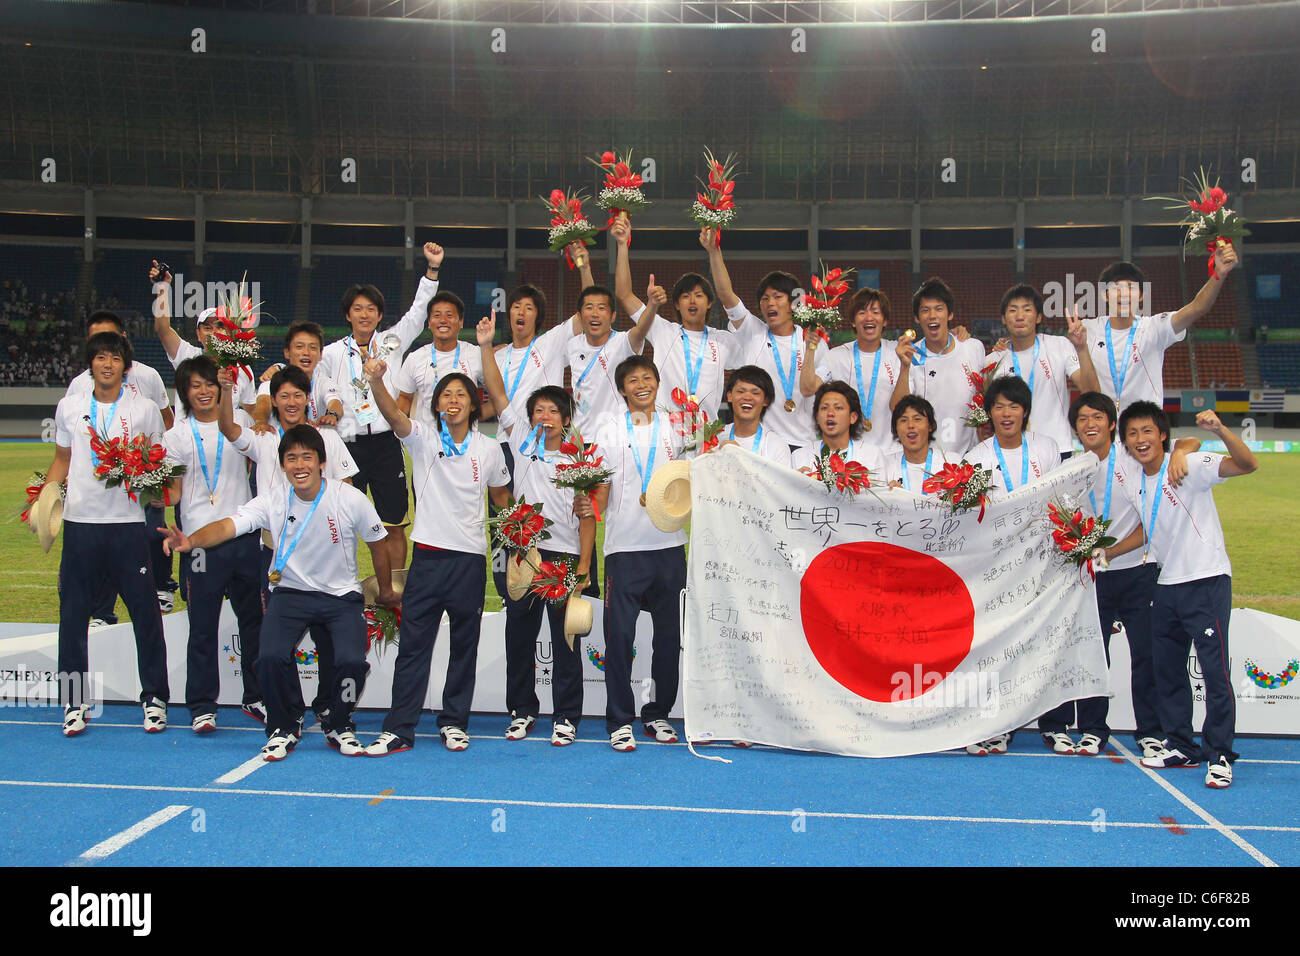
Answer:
(878, 625)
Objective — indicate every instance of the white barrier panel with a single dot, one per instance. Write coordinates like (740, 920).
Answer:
(28, 665)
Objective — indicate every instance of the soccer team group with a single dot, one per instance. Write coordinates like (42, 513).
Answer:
(330, 425)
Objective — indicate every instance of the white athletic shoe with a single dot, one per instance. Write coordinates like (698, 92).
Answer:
(155, 716)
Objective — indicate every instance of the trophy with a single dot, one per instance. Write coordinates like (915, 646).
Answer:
(389, 343)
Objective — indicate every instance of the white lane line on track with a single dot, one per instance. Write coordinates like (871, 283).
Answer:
(107, 848)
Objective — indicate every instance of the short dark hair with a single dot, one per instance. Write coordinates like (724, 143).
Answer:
(630, 365)
(552, 393)
(1022, 291)
(1122, 272)
(780, 281)
(933, 288)
(753, 375)
(916, 403)
(304, 436)
(304, 327)
(689, 281)
(596, 290)
(369, 291)
(850, 394)
(1097, 401)
(200, 365)
(106, 315)
(476, 402)
(1145, 410)
(1015, 390)
(112, 343)
(527, 291)
(446, 296)
(864, 297)
(290, 375)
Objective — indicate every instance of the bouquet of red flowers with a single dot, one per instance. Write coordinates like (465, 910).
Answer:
(962, 487)
(383, 626)
(134, 464)
(976, 414)
(1077, 537)
(518, 527)
(35, 484)
(1207, 219)
(568, 224)
(556, 581)
(693, 423)
(841, 474)
(822, 309)
(233, 344)
(713, 208)
(621, 195)
(583, 472)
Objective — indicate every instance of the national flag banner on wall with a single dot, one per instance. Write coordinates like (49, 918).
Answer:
(880, 625)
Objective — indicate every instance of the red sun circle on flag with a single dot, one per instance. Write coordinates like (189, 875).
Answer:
(877, 617)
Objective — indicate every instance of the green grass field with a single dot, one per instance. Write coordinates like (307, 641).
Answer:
(1256, 510)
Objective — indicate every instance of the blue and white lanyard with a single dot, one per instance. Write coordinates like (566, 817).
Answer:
(203, 459)
(282, 557)
(758, 437)
(693, 374)
(512, 387)
(108, 422)
(787, 381)
(648, 469)
(1104, 515)
(868, 398)
(449, 446)
(1024, 464)
(455, 361)
(922, 354)
(1116, 378)
(907, 468)
(1033, 368)
(577, 386)
(1155, 507)
(533, 445)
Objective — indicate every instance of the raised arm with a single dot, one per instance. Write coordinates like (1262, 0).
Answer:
(582, 262)
(495, 385)
(1241, 460)
(622, 233)
(809, 380)
(162, 313)
(1225, 260)
(655, 297)
(1085, 379)
(721, 278)
(226, 407)
(412, 323)
(903, 387)
(374, 370)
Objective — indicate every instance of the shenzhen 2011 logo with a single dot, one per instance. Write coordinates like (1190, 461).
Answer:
(1272, 681)
(598, 658)
(305, 658)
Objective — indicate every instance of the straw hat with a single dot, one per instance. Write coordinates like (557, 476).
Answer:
(668, 497)
(370, 586)
(520, 574)
(577, 618)
(46, 516)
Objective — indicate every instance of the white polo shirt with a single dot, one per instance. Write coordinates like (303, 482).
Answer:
(229, 484)
(762, 443)
(1125, 485)
(323, 391)
(840, 367)
(713, 351)
(595, 393)
(539, 363)
(896, 462)
(943, 381)
(795, 426)
(1187, 539)
(1143, 373)
(245, 389)
(627, 524)
(1049, 381)
(1043, 454)
(89, 500)
(419, 375)
(867, 455)
(264, 450)
(342, 361)
(535, 482)
(140, 381)
(325, 557)
(451, 490)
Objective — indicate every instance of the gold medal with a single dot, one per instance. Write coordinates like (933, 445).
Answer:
(643, 499)
(212, 498)
(789, 404)
(693, 398)
(866, 424)
(274, 577)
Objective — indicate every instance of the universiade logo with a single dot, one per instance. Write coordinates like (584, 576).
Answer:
(306, 658)
(598, 659)
(192, 297)
(1272, 681)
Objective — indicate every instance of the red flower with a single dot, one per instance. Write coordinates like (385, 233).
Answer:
(557, 197)
(607, 158)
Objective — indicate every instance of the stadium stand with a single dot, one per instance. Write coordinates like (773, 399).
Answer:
(1279, 364)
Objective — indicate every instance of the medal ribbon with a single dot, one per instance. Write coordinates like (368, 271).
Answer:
(1116, 378)
(1155, 507)
(787, 381)
(644, 472)
(1110, 481)
(512, 387)
(1024, 464)
(1033, 368)
(203, 458)
(693, 374)
(278, 561)
(907, 478)
(108, 422)
(758, 436)
(867, 399)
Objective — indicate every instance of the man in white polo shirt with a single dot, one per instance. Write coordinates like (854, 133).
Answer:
(421, 370)
(105, 546)
(316, 525)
